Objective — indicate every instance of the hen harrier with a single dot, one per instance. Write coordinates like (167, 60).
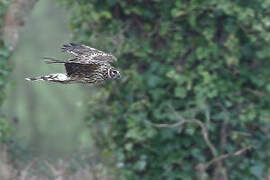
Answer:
(89, 66)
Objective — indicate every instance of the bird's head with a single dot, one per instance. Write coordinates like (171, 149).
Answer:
(114, 74)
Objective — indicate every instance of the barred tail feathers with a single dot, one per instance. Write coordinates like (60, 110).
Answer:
(58, 77)
(33, 79)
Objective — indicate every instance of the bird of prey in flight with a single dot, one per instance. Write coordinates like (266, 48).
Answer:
(89, 66)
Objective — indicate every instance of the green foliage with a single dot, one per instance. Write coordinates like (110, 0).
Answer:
(3, 7)
(203, 59)
(4, 72)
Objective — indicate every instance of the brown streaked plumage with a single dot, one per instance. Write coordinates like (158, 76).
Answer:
(89, 66)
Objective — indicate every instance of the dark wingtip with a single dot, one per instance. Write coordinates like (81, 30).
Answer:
(70, 46)
(74, 44)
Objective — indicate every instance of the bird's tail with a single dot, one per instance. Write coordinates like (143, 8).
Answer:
(58, 77)
(49, 60)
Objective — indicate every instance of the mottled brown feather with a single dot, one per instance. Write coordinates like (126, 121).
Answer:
(88, 55)
(74, 69)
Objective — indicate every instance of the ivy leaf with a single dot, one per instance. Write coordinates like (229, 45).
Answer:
(180, 92)
(257, 170)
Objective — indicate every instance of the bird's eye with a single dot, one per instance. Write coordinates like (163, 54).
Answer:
(114, 72)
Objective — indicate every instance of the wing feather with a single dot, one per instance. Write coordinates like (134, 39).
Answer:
(77, 69)
(88, 55)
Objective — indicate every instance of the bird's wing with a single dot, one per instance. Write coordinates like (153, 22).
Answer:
(88, 55)
(78, 69)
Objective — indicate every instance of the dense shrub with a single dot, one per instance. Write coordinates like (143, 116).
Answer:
(203, 60)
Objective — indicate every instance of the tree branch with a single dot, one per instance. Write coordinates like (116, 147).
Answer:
(225, 156)
(14, 19)
(184, 121)
(202, 167)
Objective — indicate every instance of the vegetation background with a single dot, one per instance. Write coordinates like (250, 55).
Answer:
(193, 102)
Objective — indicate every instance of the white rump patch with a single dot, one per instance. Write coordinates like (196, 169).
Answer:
(61, 77)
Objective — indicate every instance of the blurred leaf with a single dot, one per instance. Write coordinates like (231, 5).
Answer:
(257, 170)
(180, 92)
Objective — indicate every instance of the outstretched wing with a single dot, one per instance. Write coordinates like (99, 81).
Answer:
(88, 55)
(80, 70)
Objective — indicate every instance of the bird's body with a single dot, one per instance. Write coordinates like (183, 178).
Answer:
(89, 66)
